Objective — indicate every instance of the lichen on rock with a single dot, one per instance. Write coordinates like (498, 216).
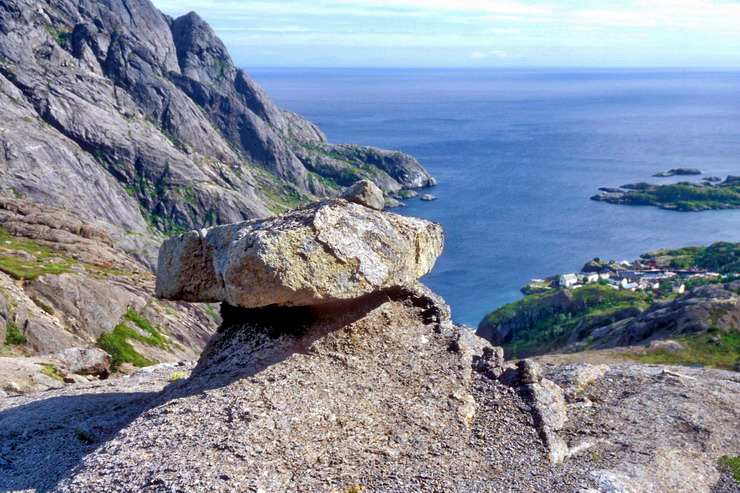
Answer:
(327, 251)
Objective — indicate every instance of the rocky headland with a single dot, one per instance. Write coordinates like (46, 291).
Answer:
(115, 112)
(688, 294)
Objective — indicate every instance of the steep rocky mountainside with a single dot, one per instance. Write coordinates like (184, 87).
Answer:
(373, 387)
(64, 284)
(116, 112)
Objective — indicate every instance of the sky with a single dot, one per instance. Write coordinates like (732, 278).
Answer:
(473, 33)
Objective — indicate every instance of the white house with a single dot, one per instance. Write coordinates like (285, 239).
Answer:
(632, 286)
(568, 280)
(589, 277)
(678, 287)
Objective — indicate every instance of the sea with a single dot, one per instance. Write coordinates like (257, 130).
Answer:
(518, 153)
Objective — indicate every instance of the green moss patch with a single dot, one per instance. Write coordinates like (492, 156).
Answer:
(18, 267)
(116, 344)
(687, 196)
(43, 306)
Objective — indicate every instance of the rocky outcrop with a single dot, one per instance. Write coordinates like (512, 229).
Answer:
(115, 112)
(344, 392)
(551, 320)
(526, 326)
(548, 408)
(365, 192)
(64, 284)
(714, 306)
(121, 126)
(328, 251)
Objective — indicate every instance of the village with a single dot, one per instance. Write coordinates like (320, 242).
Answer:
(628, 276)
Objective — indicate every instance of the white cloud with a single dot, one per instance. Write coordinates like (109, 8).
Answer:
(496, 6)
(540, 31)
(267, 29)
(490, 54)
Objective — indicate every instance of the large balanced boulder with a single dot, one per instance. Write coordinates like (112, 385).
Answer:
(327, 251)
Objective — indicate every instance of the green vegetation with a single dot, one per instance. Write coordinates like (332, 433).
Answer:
(221, 66)
(21, 268)
(51, 371)
(59, 36)
(327, 182)
(550, 320)
(43, 306)
(116, 343)
(686, 196)
(722, 257)
(732, 465)
(210, 310)
(13, 335)
(24, 268)
(700, 350)
(177, 375)
(536, 288)
(355, 160)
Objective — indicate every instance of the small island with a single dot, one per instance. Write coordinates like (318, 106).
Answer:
(682, 196)
(678, 171)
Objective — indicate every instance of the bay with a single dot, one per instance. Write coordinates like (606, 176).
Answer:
(518, 153)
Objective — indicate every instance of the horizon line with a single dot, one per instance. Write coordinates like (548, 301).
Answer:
(512, 67)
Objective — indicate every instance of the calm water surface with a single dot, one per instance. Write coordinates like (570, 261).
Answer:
(519, 153)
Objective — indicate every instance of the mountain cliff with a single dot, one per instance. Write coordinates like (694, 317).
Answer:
(116, 112)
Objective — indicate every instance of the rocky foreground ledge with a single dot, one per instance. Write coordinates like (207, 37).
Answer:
(373, 386)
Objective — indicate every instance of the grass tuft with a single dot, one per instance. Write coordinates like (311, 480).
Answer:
(13, 335)
(731, 464)
(51, 371)
(116, 343)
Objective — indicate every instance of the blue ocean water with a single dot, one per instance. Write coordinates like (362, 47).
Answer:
(518, 153)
